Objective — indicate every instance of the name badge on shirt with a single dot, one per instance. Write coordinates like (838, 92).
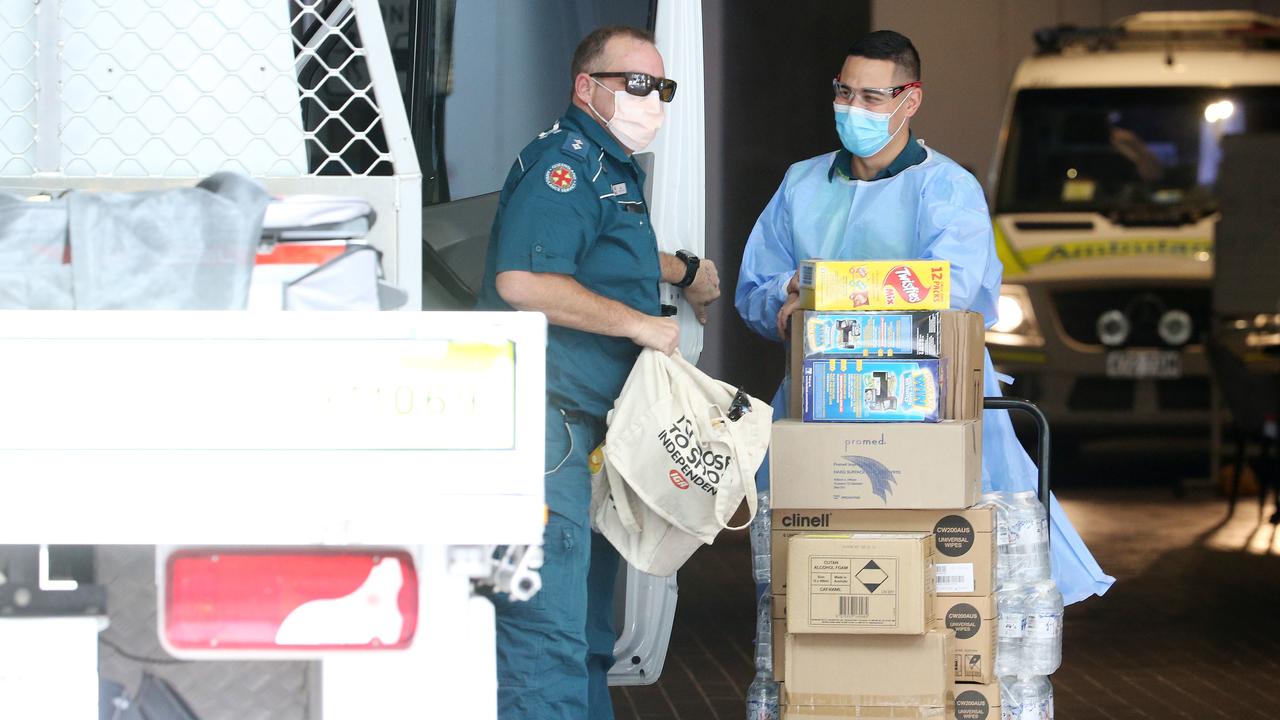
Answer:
(619, 188)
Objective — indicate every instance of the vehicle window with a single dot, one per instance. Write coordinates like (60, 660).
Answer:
(490, 76)
(1112, 150)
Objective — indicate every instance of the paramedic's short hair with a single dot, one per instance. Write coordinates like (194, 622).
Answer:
(889, 45)
(590, 53)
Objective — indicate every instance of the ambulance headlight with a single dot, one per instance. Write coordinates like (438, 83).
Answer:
(1010, 315)
(1015, 319)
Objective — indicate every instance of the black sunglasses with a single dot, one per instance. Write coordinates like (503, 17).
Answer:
(642, 84)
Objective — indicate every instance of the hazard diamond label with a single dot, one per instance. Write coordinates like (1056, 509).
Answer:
(872, 576)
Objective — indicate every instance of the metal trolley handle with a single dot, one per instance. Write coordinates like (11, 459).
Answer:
(1042, 436)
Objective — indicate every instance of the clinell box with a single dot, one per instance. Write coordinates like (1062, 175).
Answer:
(860, 583)
(875, 466)
(875, 284)
(973, 620)
(964, 542)
(956, 336)
(875, 390)
(869, 670)
(976, 702)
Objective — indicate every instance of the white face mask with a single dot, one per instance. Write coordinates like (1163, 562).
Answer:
(635, 119)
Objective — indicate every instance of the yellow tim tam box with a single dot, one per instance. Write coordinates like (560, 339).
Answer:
(875, 284)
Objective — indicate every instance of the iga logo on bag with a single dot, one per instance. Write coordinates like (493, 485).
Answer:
(694, 465)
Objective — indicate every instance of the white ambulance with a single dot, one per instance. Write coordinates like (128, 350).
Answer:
(1103, 195)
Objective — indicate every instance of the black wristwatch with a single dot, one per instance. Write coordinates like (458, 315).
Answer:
(691, 263)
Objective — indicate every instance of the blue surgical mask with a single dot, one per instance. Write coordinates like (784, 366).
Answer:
(865, 133)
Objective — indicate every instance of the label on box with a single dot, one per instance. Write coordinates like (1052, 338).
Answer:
(954, 578)
(953, 535)
(968, 665)
(875, 389)
(964, 619)
(871, 334)
(853, 591)
(1011, 625)
(875, 284)
(972, 705)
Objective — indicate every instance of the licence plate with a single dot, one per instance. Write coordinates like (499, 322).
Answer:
(1139, 364)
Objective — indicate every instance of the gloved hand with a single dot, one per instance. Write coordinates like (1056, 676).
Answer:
(788, 307)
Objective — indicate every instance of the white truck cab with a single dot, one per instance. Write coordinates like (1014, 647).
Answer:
(1104, 210)
(293, 515)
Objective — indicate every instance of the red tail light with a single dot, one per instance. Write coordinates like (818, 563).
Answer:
(262, 600)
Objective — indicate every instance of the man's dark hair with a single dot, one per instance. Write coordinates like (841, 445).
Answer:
(586, 59)
(889, 45)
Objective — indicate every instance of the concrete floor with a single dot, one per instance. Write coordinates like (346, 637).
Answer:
(1190, 629)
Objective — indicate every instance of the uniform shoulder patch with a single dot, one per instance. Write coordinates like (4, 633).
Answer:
(561, 178)
(576, 145)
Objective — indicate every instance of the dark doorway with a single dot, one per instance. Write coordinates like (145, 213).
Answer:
(768, 72)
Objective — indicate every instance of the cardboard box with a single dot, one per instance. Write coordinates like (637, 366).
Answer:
(976, 702)
(860, 583)
(872, 390)
(880, 466)
(779, 646)
(973, 620)
(875, 284)
(868, 334)
(964, 540)
(864, 712)
(870, 670)
(954, 335)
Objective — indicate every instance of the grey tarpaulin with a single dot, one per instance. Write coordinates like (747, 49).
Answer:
(32, 239)
(189, 248)
(186, 248)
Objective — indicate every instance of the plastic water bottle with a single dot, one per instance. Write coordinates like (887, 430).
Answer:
(1035, 698)
(762, 698)
(1022, 538)
(1042, 637)
(762, 695)
(1010, 701)
(761, 547)
(1011, 607)
(1004, 509)
(764, 634)
(1028, 539)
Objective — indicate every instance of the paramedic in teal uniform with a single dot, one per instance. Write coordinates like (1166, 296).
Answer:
(573, 240)
(885, 195)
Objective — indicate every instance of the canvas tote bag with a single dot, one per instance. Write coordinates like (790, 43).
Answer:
(679, 457)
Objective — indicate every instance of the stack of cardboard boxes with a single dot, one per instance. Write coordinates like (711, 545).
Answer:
(883, 572)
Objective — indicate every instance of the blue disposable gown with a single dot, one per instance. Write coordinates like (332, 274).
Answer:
(934, 209)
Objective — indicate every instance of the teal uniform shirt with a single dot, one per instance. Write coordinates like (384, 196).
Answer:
(573, 205)
(913, 154)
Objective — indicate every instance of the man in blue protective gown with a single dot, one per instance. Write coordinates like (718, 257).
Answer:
(885, 195)
(573, 239)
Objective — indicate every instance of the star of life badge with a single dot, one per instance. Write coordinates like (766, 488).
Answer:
(561, 178)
